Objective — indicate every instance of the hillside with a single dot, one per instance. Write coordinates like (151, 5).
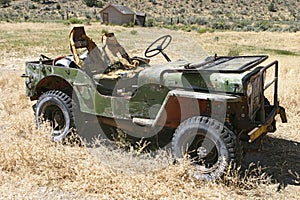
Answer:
(252, 15)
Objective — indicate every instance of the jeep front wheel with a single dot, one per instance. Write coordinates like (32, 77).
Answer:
(209, 144)
(55, 107)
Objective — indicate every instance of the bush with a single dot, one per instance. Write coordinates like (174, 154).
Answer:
(104, 31)
(66, 23)
(32, 6)
(131, 24)
(58, 6)
(76, 21)
(150, 22)
(26, 17)
(271, 7)
(171, 27)
(292, 28)
(93, 3)
(234, 52)
(201, 21)
(87, 21)
(263, 25)
(4, 3)
(133, 32)
(220, 25)
(205, 30)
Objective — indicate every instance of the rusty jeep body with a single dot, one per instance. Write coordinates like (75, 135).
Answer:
(202, 109)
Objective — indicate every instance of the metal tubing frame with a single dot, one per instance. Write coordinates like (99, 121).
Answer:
(263, 88)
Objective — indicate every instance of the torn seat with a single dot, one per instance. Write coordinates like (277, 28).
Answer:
(116, 52)
(95, 60)
(120, 78)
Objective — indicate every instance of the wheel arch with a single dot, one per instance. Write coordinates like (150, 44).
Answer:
(53, 82)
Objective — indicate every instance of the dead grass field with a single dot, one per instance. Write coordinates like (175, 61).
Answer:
(32, 167)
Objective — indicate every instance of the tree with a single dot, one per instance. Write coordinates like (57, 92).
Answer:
(271, 7)
(93, 3)
(4, 3)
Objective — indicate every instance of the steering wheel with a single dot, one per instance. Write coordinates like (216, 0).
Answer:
(158, 46)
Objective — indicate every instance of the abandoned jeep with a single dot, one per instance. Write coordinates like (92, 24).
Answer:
(202, 109)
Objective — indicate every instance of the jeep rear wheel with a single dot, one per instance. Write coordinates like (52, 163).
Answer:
(208, 143)
(55, 107)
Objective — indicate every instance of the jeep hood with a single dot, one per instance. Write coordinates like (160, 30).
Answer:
(174, 75)
(222, 74)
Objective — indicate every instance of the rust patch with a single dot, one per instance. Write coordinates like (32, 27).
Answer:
(179, 109)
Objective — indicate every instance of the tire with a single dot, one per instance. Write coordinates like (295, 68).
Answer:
(209, 144)
(55, 107)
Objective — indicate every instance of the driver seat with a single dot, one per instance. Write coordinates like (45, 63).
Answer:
(116, 52)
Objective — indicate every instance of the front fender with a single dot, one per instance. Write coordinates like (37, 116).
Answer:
(180, 105)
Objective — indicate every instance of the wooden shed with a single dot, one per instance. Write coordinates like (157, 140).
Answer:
(117, 14)
(140, 18)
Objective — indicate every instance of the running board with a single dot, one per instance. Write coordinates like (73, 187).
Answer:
(143, 122)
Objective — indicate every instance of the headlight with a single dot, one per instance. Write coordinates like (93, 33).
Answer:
(249, 89)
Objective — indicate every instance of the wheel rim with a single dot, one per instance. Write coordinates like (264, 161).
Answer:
(204, 153)
(54, 114)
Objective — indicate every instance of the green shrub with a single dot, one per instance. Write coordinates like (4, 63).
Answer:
(58, 6)
(4, 3)
(32, 6)
(292, 28)
(205, 30)
(234, 52)
(220, 25)
(131, 24)
(263, 25)
(150, 22)
(201, 30)
(93, 3)
(87, 21)
(76, 21)
(133, 32)
(26, 17)
(271, 7)
(201, 21)
(104, 31)
(186, 28)
(67, 22)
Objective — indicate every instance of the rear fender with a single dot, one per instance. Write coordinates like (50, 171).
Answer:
(79, 88)
(52, 83)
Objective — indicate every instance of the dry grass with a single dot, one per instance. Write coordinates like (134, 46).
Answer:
(32, 167)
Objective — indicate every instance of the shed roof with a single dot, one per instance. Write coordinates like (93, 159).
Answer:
(121, 8)
(139, 13)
